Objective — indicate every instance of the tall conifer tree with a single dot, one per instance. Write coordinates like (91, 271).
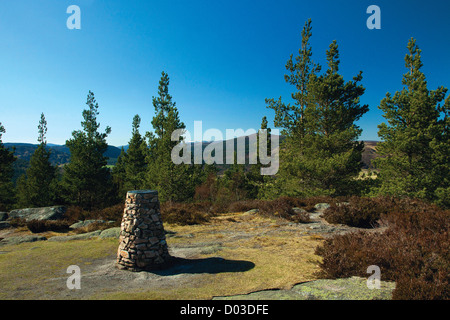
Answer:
(415, 145)
(331, 157)
(174, 182)
(291, 117)
(321, 154)
(37, 187)
(135, 164)
(7, 158)
(87, 180)
(119, 175)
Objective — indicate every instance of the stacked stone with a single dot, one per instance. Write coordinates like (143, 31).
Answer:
(142, 238)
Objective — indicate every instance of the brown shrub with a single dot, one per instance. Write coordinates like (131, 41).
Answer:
(351, 254)
(207, 191)
(37, 226)
(113, 213)
(365, 212)
(244, 205)
(309, 203)
(422, 288)
(18, 222)
(75, 213)
(413, 251)
(357, 212)
(200, 211)
(283, 208)
(183, 213)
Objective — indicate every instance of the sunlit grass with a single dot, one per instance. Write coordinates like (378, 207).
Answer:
(24, 268)
(280, 260)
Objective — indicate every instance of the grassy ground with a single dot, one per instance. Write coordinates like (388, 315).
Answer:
(234, 254)
(25, 269)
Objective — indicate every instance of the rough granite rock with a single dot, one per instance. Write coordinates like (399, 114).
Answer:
(299, 210)
(82, 236)
(110, 233)
(85, 223)
(45, 213)
(21, 239)
(322, 206)
(354, 288)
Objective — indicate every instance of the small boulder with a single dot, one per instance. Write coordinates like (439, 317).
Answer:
(45, 213)
(110, 233)
(353, 288)
(82, 236)
(85, 223)
(322, 206)
(299, 210)
(21, 239)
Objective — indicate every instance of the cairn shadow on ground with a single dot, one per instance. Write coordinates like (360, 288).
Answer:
(213, 265)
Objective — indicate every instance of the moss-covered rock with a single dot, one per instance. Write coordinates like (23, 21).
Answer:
(82, 236)
(21, 239)
(354, 288)
(45, 213)
(110, 233)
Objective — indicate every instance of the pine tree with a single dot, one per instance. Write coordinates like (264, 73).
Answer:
(174, 182)
(256, 180)
(22, 192)
(7, 158)
(291, 117)
(37, 187)
(415, 146)
(331, 155)
(134, 163)
(236, 181)
(320, 153)
(119, 175)
(265, 126)
(86, 179)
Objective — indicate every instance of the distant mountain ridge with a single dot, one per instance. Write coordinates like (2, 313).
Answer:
(60, 154)
(368, 154)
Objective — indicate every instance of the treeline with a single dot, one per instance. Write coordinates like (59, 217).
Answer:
(86, 181)
(320, 154)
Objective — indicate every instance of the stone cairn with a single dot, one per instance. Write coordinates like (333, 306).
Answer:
(142, 238)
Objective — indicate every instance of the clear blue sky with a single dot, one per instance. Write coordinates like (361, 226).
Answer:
(223, 58)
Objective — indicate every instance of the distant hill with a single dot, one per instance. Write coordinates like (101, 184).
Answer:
(24, 151)
(370, 153)
(60, 154)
